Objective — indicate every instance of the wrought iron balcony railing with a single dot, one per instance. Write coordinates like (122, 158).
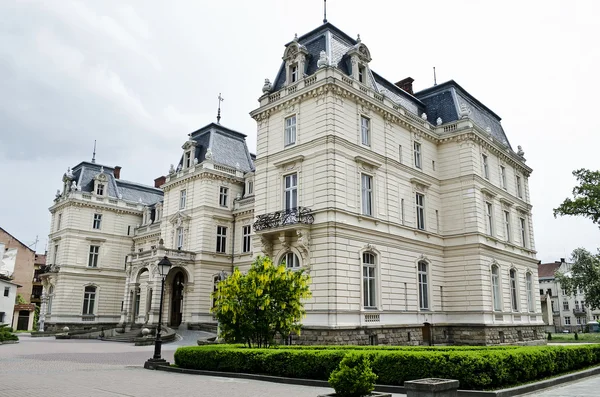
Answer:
(283, 218)
(579, 311)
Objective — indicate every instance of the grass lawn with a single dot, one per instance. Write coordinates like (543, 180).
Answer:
(590, 337)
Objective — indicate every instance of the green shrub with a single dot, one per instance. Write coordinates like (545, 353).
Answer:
(6, 333)
(475, 368)
(354, 376)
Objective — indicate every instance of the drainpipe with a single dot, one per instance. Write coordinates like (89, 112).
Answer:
(233, 239)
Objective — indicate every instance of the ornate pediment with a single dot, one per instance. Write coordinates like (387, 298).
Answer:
(179, 219)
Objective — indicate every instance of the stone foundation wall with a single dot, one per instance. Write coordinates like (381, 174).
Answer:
(413, 335)
(58, 327)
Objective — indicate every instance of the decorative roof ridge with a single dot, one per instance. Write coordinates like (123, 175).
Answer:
(324, 27)
(219, 127)
(137, 184)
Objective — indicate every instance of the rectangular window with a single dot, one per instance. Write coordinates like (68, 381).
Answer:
(420, 209)
(496, 288)
(402, 211)
(400, 153)
(564, 291)
(566, 305)
(486, 169)
(246, 239)
(423, 286)
(291, 191)
(188, 159)
(433, 164)
(250, 188)
(290, 131)
(567, 320)
(89, 300)
(519, 187)
(417, 150)
(100, 189)
(488, 218)
(367, 194)
(529, 281)
(182, 199)
(365, 131)
(293, 73)
(179, 238)
(97, 221)
(578, 320)
(223, 191)
(361, 74)
(93, 256)
(2, 314)
(523, 227)
(369, 281)
(221, 239)
(55, 256)
(513, 290)
(59, 221)
(503, 177)
(507, 225)
(6, 291)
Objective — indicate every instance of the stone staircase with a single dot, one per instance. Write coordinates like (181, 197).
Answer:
(128, 336)
(134, 335)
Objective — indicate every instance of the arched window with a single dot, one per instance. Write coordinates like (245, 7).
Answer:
(423, 285)
(513, 290)
(89, 300)
(529, 282)
(290, 260)
(369, 281)
(496, 288)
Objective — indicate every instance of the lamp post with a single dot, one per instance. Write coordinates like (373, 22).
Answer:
(163, 267)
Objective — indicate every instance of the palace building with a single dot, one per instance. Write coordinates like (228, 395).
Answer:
(410, 211)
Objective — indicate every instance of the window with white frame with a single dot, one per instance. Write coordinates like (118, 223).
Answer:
(507, 225)
(58, 222)
(55, 255)
(290, 260)
(362, 77)
(503, 177)
(93, 256)
(400, 154)
(513, 290)
(417, 151)
(529, 282)
(89, 300)
(291, 191)
(182, 199)
(496, 297)
(519, 187)
(223, 193)
(250, 188)
(564, 291)
(576, 305)
(290, 131)
(293, 73)
(567, 320)
(420, 210)
(523, 230)
(100, 189)
(365, 131)
(246, 239)
(566, 305)
(486, 168)
(50, 298)
(423, 285)
(221, 239)
(369, 281)
(488, 218)
(582, 305)
(188, 159)
(97, 221)
(6, 291)
(180, 238)
(578, 320)
(367, 194)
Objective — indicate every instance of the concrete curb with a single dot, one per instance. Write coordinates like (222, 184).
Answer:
(513, 391)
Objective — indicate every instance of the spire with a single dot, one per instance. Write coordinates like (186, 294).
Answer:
(219, 111)
(324, 11)
(94, 154)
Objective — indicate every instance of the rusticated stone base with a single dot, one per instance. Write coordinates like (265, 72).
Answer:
(467, 334)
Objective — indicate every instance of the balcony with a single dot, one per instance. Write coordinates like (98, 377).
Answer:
(281, 219)
(579, 311)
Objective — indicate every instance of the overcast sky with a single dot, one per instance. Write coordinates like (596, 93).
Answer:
(139, 75)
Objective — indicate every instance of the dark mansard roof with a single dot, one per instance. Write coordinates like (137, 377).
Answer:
(228, 147)
(85, 172)
(443, 100)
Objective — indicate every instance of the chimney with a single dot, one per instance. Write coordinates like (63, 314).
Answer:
(158, 182)
(562, 260)
(117, 172)
(406, 84)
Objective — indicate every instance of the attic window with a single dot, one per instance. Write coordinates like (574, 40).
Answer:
(293, 73)
(100, 189)
(361, 74)
(188, 158)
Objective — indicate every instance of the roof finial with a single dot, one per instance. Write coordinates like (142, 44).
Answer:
(324, 11)
(94, 154)
(358, 38)
(219, 111)
(434, 77)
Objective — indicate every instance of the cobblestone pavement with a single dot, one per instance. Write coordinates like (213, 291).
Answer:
(583, 388)
(91, 368)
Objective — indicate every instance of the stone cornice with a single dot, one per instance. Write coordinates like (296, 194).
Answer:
(202, 174)
(95, 204)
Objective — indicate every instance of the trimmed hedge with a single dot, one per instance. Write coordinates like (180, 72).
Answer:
(475, 367)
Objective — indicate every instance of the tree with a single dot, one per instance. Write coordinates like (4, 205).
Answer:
(586, 197)
(583, 275)
(253, 308)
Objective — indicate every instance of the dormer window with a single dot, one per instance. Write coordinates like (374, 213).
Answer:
(188, 159)
(100, 189)
(361, 74)
(293, 73)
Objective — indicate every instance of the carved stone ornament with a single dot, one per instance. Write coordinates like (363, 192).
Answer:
(74, 186)
(290, 109)
(464, 111)
(303, 242)
(267, 87)
(323, 60)
(424, 116)
(69, 173)
(195, 160)
(209, 154)
(520, 151)
(439, 121)
(171, 169)
(267, 246)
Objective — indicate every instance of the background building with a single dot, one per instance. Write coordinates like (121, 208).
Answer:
(8, 289)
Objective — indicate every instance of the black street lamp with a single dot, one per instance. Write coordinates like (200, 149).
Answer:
(163, 267)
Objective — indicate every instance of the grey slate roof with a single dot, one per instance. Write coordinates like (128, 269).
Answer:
(85, 172)
(442, 100)
(228, 147)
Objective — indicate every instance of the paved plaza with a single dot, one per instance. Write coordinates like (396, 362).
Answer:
(91, 368)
